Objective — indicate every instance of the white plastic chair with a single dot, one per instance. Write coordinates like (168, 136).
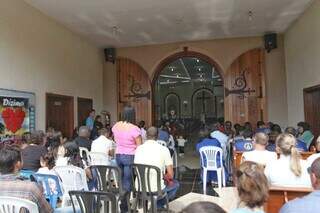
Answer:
(72, 178)
(209, 162)
(14, 205)
(98, 159)
(162, 143)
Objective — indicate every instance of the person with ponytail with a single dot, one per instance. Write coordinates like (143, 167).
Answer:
(289, 170)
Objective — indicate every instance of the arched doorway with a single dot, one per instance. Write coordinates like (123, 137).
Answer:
(172, 102)
(188, 75)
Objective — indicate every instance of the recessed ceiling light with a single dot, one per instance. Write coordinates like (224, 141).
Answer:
(198, 60)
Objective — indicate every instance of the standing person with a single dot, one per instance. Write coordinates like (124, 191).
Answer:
(252, 187)
(309, 203)
(90, 119)
(143, 130)
(32, 153)
(127, 137)
(97, 125)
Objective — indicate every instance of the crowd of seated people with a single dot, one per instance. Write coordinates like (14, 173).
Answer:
(127, 144)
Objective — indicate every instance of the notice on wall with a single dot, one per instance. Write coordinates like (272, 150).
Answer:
(17, 113)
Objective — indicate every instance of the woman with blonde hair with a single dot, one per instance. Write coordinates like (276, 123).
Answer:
(252, 186)
(289, 170)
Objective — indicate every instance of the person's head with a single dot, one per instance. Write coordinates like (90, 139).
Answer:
(47, 160)
(10, 160)
(203, 207)
(260, 124)
(98, 118)
(286, 145)
(84, 132)
(291, 130)
(302, 127)
(269, 125)
(228, 125)
(72, 149)
(129, 114)
(252, 184)
(180, 136)
(247, 125)
(204, 133)
(237, 127)
(314, 171)
(216, 126)
(152, 133)
(142, 124)
(92, 113)
(36, 137)
(105, 132)
(276, 129)
(247, 133)
(261, 139)
(317, 145)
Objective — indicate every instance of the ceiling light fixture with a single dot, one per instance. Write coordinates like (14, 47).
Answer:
(250, 15)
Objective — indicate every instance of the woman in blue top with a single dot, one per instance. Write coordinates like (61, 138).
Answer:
(252, 187)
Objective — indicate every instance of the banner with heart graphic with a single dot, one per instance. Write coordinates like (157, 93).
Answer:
(14, 116)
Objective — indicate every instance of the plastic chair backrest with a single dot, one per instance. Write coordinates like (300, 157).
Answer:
(51, 186)
(15, 205)
(84, 152)
(108, 178)
(72, 177)
(142, 176)
(90, 202)
(209, 156)
(26, 173)
(162, 143)
(98, 158)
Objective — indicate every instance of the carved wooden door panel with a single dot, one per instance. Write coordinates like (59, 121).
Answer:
(134, 88)
(245, 88)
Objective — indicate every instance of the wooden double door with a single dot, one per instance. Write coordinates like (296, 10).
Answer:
(244, 83)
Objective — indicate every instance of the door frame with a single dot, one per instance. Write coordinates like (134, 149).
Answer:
(69, 117)
(305, 93)
(172, 58)
(84, 99)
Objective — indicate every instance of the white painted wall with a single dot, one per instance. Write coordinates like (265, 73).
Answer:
(38, 55)
(302, 56)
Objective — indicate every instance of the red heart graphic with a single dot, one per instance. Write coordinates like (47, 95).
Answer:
(13, 118)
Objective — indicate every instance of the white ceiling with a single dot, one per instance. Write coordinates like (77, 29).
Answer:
(142, 22)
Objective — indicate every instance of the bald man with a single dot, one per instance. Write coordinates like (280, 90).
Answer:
(311, 202)
(152, 153)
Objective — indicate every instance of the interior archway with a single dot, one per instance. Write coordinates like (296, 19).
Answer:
(187, 74)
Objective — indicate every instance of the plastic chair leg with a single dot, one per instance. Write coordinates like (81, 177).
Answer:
(154, 208)
(204, 181)
(219, 176)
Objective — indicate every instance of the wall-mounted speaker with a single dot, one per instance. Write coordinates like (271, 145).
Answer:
(110, 54)
(270, 41)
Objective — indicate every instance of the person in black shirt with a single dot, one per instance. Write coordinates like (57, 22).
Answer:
(32, 153)
(83, 139)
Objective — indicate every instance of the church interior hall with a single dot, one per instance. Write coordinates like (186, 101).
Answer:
(203, 93)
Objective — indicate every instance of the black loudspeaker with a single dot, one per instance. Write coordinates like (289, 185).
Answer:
(270, 41)
(110, 54)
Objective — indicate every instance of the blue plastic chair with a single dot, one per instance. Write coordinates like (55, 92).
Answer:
(51, 186)
(26, 173)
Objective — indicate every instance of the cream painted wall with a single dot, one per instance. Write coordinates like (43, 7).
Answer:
(224, 52)
(38, 55)
(302, 52)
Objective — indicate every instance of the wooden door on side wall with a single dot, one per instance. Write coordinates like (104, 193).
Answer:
(85, 105)
(134, 88)
(245, 88)
(312, 108)
(59, 113)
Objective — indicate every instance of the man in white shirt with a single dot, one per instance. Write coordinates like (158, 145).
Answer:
(152, 153)
(260, 155)
(103, 144)
(221, 137)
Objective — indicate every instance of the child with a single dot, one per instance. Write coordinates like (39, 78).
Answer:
(181, 142)
(47, 162)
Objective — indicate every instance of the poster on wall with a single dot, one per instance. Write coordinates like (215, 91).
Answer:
(17, 113)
